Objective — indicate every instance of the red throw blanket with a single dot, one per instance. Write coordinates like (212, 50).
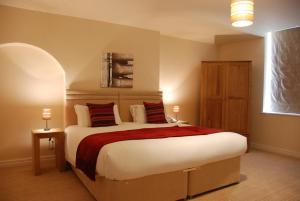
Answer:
(89, 147)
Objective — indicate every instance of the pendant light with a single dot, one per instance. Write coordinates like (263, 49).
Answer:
(242, 13)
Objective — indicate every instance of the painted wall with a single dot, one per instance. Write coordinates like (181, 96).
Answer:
(180, 63)
(78, 45)
(277, 133)
(28, 84)
(30, 79)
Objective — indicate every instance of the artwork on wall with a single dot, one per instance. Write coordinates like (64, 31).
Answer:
(117, 70)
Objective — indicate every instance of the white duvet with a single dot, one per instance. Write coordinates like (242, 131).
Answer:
(138, 158)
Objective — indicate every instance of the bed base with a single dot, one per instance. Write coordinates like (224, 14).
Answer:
(165, 187)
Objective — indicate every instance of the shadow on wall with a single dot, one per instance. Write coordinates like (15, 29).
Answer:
(31, 79)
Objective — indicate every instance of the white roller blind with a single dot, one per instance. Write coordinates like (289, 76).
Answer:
(282, 72)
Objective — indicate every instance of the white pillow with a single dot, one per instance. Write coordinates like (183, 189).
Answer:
(138, 113)
(83, 115)
(117, 115)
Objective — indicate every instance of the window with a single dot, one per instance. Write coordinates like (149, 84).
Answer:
(282, 72)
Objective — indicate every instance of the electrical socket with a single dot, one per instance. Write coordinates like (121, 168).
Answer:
(51, 144)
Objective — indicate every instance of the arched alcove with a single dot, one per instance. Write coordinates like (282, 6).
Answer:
(30, 79)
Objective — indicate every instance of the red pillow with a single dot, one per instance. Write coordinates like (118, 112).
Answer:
(101, 114)
(155, 112)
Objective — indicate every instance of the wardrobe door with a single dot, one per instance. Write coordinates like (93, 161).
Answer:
(237, 96)
(212, 95)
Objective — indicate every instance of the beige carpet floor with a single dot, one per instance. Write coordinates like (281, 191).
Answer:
(265, 177)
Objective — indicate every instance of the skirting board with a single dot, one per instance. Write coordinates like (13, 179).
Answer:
(23, 161)
(276, 150)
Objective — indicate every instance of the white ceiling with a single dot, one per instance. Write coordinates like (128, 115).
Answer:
(198, 20)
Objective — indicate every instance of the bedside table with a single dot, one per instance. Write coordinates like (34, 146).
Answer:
(59, 136)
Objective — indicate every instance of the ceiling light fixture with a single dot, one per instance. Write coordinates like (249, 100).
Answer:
(242, 13)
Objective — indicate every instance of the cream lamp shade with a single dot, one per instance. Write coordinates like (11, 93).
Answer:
(242, 13)
(46, 115)
(176, 108)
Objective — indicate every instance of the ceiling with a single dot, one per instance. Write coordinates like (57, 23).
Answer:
(199, 20)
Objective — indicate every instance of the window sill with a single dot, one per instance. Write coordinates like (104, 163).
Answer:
(281, 114)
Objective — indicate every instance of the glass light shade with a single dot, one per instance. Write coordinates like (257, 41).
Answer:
(242, 13)
(176, 108)
(46, 115)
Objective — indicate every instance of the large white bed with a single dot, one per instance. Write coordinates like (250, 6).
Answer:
(153, 169)
(139, 158)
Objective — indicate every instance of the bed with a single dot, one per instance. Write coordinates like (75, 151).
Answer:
(197, 167)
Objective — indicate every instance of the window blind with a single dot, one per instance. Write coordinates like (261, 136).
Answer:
(282, 72)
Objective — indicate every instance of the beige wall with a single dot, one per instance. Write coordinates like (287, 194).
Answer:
(77, 45)
(30, 79)
(279, 133)
(180, 62)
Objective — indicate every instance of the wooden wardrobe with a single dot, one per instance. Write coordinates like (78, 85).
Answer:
(225, 95)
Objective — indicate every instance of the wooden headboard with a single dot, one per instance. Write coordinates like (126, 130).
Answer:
(122, 98)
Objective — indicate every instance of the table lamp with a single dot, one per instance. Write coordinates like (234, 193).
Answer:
(46, 115)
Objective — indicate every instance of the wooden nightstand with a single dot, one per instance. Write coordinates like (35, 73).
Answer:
(59, 136)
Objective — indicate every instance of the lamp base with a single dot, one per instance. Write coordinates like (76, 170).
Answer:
(46, 128)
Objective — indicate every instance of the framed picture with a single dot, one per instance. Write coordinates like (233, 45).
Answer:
(117, 70)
